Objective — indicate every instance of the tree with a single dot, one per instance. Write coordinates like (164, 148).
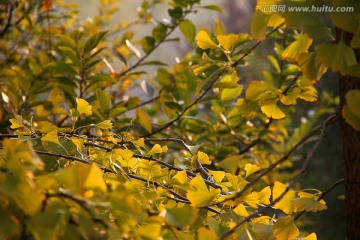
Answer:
(96, 146)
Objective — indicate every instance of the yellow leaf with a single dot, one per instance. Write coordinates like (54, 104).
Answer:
(265, 195)
(150, 231)
(203, 158)
(204, 41)
(227, 41)
(250, 169)
(241, 210)
(16, 122)
(95, 179)
(199, 198)
(199, 184)
(309, 94)
(285, 229)
(311, 236)
(293, 51)
(126, 154)
(83, 107)
(51, 137)
(217, 175)
(290, 97)
(256, 89)
(179, 178)
(79, 142)
(106, 124)
(155, 149)
(273, 111)
(286, 203)
(46, 127)
(308, 202)
(143, 119)
(252, 199)
(206, 234)
(140, 142)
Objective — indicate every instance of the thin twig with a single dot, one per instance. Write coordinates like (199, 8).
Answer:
(287, 89)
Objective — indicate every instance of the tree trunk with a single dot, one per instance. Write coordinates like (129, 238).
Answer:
(351, 152)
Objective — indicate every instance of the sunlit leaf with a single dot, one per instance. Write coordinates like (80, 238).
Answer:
(227, 41)
(293, 51)
(51, 137)
(285, 228)
(16, 122)
(217, 175)
(204, 41)
(286, 203)
(83, 107)
(203, 158)
(273, 111)
(106, 124)
(251, 169)
(265, 195)
(311, 236)
(156, 149)
(143, 119)
(241, 210)
(199, 198)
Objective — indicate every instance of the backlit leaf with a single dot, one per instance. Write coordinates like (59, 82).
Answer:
(143, 119)
(16, 122)
(83, 107)
(227, 41)
(206, 234)
(273, 111)
(308, 202)
(311, 236)
(251, 169)
(188, 29)
(106, 124)
(155, 149)
(204, 41)
(286, 203)
(285, 228)
(51, 137)
(293, 51)
(203, 158)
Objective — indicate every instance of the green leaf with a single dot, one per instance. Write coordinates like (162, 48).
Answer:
(93, 41)
(181, 216)
(148, 44)
(213, 8)
(10, 229)
(176, 12)
(338, 57)
(351, 118)
(285, 228)
(174, 106)
(352, 101)
(143, 119)
(159, 32)
(258, 25)
(104, 100)
(188, 29)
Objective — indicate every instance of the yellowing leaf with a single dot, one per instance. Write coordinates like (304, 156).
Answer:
(227, 41)
(252, 199)
(203, 158)
(46, 127)
(308, 202)
(106, 124)
(250, 169)
(156, 149)
(199, 198)
(338, 57)
(286, 203)
(285, 229)
(265, 195)
(241, 210)
(83, 107)
(126, 154)
(16, 122)
(273, 111)
(206, 234)
(311, 236)
(255, 89)
(51, 137)
(150, 231)
(143, 119)
(204, 41)
(95, 179)
(293, 51)
(181, 216)
(352, 100)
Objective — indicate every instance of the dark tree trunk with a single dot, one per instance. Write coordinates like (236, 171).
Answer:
(351, 153)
